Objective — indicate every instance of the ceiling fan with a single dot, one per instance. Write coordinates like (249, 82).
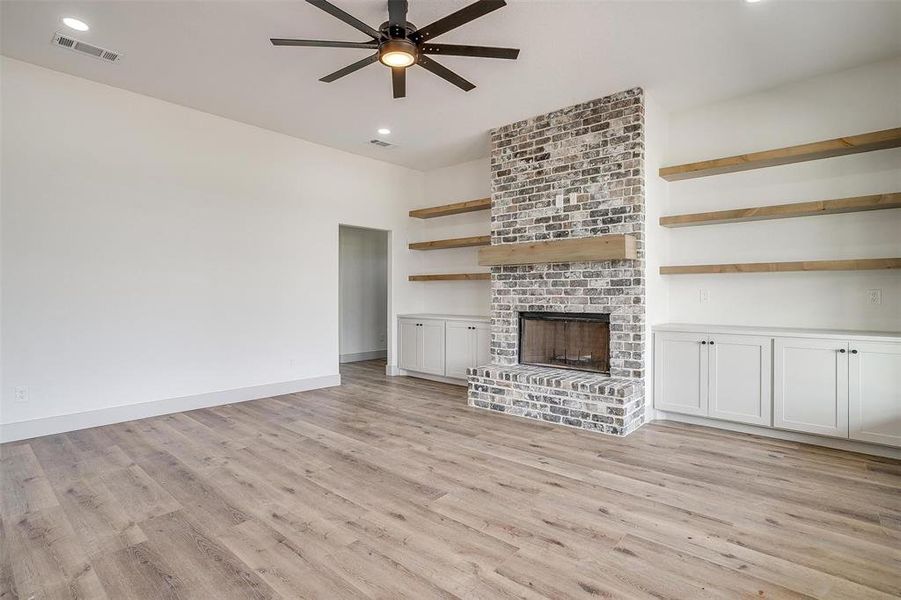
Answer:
(399, 44)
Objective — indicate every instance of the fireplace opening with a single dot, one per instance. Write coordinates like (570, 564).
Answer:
(578, 341)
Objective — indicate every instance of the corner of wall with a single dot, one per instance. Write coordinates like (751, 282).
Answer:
(656, 237)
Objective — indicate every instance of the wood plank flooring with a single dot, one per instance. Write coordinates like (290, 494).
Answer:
(394, 488)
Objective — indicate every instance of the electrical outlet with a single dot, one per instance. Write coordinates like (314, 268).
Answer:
(381, 338)
(21, 393)
(559, 200)
(874, 297)
(703, 296)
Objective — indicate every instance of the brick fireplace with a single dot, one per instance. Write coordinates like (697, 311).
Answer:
(592, 155)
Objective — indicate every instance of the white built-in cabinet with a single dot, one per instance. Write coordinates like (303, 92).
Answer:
(810, 385)
(718, 376)
(421, 345)
(874, 393)
(680, 373)
(847, 386)
(466, 347)
(442, 346)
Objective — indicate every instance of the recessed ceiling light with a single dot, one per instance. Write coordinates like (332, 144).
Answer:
(75, 24)
(752, 1)
(384, 131)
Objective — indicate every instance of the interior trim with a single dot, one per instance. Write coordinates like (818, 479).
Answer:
(23, 430)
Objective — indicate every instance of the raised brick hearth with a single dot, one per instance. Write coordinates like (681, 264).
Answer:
(592, 154)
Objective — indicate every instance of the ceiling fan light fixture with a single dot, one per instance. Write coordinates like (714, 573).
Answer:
(397, 53)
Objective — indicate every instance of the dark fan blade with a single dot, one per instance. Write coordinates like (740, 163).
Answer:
(461, 17)
(323, 43)
(479, 51)
(399, 81)
(397, 13)
(445, 73)
(350, 68)
(349, 19)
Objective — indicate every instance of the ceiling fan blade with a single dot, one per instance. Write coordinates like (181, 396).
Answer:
(350, 68)
(397, 15)
(461, 17)
(478, 51)
(323, 43)
(399, 81)
(445, 73)
(347, 18)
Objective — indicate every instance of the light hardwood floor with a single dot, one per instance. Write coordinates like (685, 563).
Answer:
(394, 488)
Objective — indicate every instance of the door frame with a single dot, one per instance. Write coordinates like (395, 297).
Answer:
(390, 333)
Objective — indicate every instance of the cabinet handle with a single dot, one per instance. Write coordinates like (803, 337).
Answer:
(853, 351)
(842, 350)
(711, 342)
(704, 342)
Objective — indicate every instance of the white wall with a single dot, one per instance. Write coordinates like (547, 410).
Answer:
(151, 251)
(850, 102)
(458, 183)
(363, 296)
(656, 250)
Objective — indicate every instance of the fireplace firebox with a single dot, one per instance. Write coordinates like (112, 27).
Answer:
(579, 341)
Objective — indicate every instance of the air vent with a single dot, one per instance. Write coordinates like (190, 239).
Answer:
(380, 143)
(69, 43)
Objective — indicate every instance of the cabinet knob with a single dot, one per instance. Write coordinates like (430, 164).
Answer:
(853, 351)
(711, 342)
(842, 350)
(704, 342)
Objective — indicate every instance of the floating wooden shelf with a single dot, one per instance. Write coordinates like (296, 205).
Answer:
(857, 264)
(465, 242)
(451, 277)
(866, 142)
(786, 211)
(451, 209)
(605, 247)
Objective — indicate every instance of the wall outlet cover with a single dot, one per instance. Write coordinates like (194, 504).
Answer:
(703, 296)
(874, 297)
(21, 393)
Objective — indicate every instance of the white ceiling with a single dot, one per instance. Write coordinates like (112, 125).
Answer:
(216, 57)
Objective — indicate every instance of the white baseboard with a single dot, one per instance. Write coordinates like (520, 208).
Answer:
(394, 371)
(791, 436)
(358, 356)
(23, 430)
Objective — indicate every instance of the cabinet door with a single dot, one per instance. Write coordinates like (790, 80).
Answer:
(810, 386)
(680, 372)
(740, 377)
(408, 345)
(875, 392)
(483, 344)
(459, 348)
(431, 337)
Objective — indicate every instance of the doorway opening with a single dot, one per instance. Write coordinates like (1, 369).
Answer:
(362, 293)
